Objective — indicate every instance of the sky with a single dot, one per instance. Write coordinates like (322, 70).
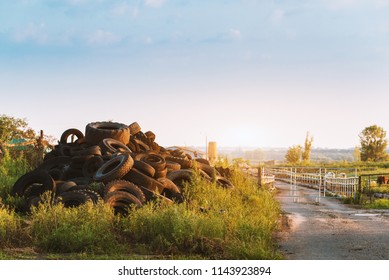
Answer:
(245, 73)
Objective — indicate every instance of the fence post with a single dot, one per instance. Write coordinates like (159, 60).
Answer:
(291, 176)
(260, 176)
(359, 188)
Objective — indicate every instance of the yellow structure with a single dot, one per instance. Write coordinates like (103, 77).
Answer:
(212, 151)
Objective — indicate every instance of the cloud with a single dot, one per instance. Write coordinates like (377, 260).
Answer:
(77, 2)
(337, 5)
(277, 16)
(101, 37)
(120, 9)
(382, 3)
(32, 32)
(154, 3)
(135, 12)
(235, 33)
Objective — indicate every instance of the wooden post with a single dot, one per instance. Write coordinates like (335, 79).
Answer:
(41, 149)
(260, 174)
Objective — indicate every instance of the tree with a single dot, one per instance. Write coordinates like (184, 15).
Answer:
(357, 154)
(306, 154)
(293, 155)
(14, 128)
(373, 144)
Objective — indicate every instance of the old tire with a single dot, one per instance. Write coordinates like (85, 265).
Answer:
(121, 201)
(155, 160)
(91, 166)
(171, 190)
(71, 132)
(144, 167)
(97, 131)
(185, 163)
(134, 128)
(40, 177)
(73, 198)
(113, 146)
(140, 179)
(126, 186)
(179, 177)
(114, 169)
(223, 182)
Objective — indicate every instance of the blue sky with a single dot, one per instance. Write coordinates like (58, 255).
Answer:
(242, 73)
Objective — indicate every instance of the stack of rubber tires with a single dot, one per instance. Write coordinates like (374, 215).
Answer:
(113, 162)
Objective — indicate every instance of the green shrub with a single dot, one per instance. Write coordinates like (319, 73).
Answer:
(380, 203)
(87, 228)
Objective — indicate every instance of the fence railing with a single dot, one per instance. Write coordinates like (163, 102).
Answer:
(325, 180)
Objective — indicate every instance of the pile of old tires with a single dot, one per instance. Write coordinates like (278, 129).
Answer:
(113, 162)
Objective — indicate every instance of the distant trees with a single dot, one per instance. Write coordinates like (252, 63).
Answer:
(373, 144)
(296, 153)
(357, 154)
(293, 154)
(306, 153)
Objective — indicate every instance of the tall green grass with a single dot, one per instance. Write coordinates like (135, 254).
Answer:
(214, 222)
(11, 169)
(88, 228)
(12, 230)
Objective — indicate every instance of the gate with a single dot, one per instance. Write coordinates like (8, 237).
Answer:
(337, 182)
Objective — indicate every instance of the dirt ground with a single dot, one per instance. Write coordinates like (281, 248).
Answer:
(328, 229)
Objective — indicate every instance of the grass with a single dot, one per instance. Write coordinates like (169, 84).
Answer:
(213, 223)
(87, 228)
(379, 203)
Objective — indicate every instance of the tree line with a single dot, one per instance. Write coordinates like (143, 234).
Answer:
(373, 145)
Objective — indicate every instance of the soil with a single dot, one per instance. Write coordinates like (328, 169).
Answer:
(326, 229)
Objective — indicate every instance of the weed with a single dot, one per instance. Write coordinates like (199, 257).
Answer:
(87, 228)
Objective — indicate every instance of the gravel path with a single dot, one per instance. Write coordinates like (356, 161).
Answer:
(329, 230)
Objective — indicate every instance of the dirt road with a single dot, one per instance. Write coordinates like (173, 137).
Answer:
(329, 230)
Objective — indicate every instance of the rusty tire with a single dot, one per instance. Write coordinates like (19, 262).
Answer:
(185, 163)
(155, 160)
(171, 165)
(160, 174)
(134, 128)
(113, 146)
(144, 167)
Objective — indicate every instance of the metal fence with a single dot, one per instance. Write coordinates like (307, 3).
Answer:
(337, 181)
